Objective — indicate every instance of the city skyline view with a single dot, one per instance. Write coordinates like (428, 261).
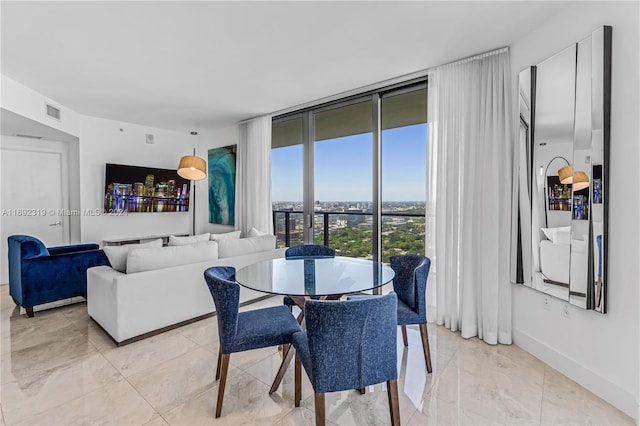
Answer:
(348, 159)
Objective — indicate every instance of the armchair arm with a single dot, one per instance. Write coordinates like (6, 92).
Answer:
(50, 278)
(67, 262)
(72, 249)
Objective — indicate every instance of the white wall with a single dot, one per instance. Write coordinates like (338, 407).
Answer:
(601, 352)
(213, 139)
(105, 141)
(25, 101)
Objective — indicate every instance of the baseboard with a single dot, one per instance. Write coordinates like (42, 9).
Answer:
(600, 386)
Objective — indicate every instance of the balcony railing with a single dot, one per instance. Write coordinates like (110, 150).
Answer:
(323, 218)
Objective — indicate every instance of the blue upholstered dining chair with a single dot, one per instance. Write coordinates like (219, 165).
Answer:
(410, 284)
(243, 331)
(305, 250)
(348, 345)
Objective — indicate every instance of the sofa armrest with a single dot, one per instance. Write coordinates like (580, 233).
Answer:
(102, 297)
(72, 249)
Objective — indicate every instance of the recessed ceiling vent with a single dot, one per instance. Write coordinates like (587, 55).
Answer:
(52, 112)
(21, 135)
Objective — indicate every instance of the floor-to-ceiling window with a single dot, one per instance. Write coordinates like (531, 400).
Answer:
(352, 174)
(287, 180)
(343, 193)
(403, 172)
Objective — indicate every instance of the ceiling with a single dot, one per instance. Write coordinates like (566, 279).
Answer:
(197, 66)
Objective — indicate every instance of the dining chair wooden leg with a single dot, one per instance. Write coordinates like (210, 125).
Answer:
(223, 381)
(425, 346)
(219, 361)
(394, 404)
(320, 409)
(297, 386)
(286, 360)
(404, 335)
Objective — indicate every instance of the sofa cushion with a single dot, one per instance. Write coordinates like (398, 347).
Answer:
(253, 232)
(227, 235)
(117, 255)
(181, 241)
(147, 259)
(235, 247)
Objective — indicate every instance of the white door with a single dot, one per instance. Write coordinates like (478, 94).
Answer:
(34, 192)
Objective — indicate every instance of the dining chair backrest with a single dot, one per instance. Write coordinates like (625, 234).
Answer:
(307, 250)
(221, 281)
(410, 280)
(352, 344)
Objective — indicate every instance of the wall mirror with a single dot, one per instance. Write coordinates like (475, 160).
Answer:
(562, 172)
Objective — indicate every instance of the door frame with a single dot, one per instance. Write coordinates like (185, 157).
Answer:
(13, 143)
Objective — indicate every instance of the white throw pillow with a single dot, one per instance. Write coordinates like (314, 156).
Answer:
(147, 259)
(236, 247)
(181, 241)
(562, 237)
(551, 232)
(253, 232)
(117, 255)
(218, 237)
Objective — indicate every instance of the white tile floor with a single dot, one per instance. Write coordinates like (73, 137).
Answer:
(60, 368)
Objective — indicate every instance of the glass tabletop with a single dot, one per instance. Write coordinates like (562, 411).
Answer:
(319, 276)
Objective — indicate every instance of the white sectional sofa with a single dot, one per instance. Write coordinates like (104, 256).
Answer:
(164, 287)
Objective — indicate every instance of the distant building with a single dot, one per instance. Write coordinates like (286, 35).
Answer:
(148, 186)
(138, 188)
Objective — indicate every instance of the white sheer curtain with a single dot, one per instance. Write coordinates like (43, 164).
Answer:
(253, 189)
(469, 209)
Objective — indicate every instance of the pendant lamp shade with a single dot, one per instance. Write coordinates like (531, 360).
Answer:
(580, 180)
(192, 167)
(565, 174)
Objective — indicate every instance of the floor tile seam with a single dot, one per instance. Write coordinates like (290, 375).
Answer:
(5, 351)
(171, 406)
(76, 362)
(277, 422)
(57, 366)
(252, 363)
(408, 421)
(142, 396)
(25, 420)
(544, 391)
(193, 340)
(186, 401)
(148, 368)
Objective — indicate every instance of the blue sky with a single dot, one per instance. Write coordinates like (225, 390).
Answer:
(343, 167)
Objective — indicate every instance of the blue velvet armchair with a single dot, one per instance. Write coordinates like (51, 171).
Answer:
(243, 331)
(38, 274)
(348, 345)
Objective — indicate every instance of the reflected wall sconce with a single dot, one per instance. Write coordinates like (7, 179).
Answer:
(193, 168)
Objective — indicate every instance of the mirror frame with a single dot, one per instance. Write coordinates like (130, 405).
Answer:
(596, 164)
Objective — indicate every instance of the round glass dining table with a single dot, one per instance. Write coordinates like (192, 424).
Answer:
(314, 276)
(303, 277)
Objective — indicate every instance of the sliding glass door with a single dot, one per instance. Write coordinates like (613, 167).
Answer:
(352, 174)
(403, 172)
(287, 177)
(343, 192)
